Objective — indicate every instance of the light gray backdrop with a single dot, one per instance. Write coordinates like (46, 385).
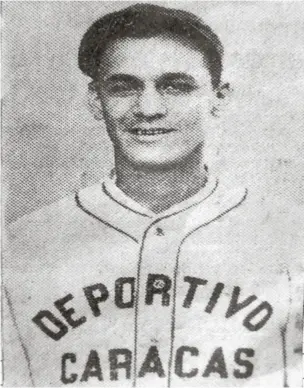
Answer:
(52, 145)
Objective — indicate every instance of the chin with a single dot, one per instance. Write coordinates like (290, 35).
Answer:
(160, 161)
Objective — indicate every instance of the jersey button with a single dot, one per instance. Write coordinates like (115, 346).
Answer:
(159, 232)
(159, 284)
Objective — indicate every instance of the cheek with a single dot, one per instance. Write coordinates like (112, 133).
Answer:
(117, 109)
(191, 113)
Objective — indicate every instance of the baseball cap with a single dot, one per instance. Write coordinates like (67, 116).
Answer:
(144, 21)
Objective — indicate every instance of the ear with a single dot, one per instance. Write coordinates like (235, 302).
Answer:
(213, 136)
(94, 102)
(222, 96)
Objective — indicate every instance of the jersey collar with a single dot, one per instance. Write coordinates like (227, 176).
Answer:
(110, 188)
(105, 202)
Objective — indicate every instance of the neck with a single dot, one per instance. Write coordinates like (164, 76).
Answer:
(160, 188)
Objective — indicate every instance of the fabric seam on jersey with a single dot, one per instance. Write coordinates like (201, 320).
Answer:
(283, 331)
(171, 214)
(136, 303)
(175, 279)
(146, 215)
(190, 206)
(78, 203)
(139, 267)
(104, 189)
(24, 349)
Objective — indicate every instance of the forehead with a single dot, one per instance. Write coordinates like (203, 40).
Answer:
(152, 57)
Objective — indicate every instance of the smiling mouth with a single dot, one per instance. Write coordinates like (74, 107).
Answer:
(150, 131)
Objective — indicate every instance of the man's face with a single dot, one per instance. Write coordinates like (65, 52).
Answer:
(156, 97)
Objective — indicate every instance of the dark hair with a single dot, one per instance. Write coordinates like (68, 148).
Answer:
(148, 20)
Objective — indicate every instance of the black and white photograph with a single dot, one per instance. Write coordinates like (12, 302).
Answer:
(152, 193)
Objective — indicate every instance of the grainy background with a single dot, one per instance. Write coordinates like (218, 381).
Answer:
(52, 145)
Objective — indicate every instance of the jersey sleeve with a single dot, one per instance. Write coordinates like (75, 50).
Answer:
(294, 332)
(16, 363)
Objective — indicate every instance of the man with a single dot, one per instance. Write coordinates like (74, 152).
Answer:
(141, 280)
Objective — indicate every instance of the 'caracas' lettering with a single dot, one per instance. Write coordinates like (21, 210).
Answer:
(73, 376)
(92, 368)
(115, 365)
(158, 291)
(248, 366)
(179, 360)
(152, 364)
(119, 365)
(216, 364)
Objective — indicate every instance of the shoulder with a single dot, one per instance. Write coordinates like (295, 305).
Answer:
(43, 223)
(56, 217)
(49, 233)
(260, 231)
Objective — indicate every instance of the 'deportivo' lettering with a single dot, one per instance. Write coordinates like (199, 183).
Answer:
(57, 323)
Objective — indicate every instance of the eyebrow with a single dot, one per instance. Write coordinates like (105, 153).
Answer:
(121, 77)
(174, 76)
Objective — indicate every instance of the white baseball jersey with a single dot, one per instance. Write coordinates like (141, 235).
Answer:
(102, 292)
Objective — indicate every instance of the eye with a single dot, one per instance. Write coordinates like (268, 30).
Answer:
(177, 87)
(123, 88)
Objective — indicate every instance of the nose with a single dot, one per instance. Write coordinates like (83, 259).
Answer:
(150, 104)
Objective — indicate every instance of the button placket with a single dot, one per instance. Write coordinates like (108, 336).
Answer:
(159, 231)
(155, 300)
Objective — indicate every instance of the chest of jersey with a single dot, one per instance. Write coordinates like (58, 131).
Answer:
(166, 312)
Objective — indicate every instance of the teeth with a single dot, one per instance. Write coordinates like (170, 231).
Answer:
(150, 132)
